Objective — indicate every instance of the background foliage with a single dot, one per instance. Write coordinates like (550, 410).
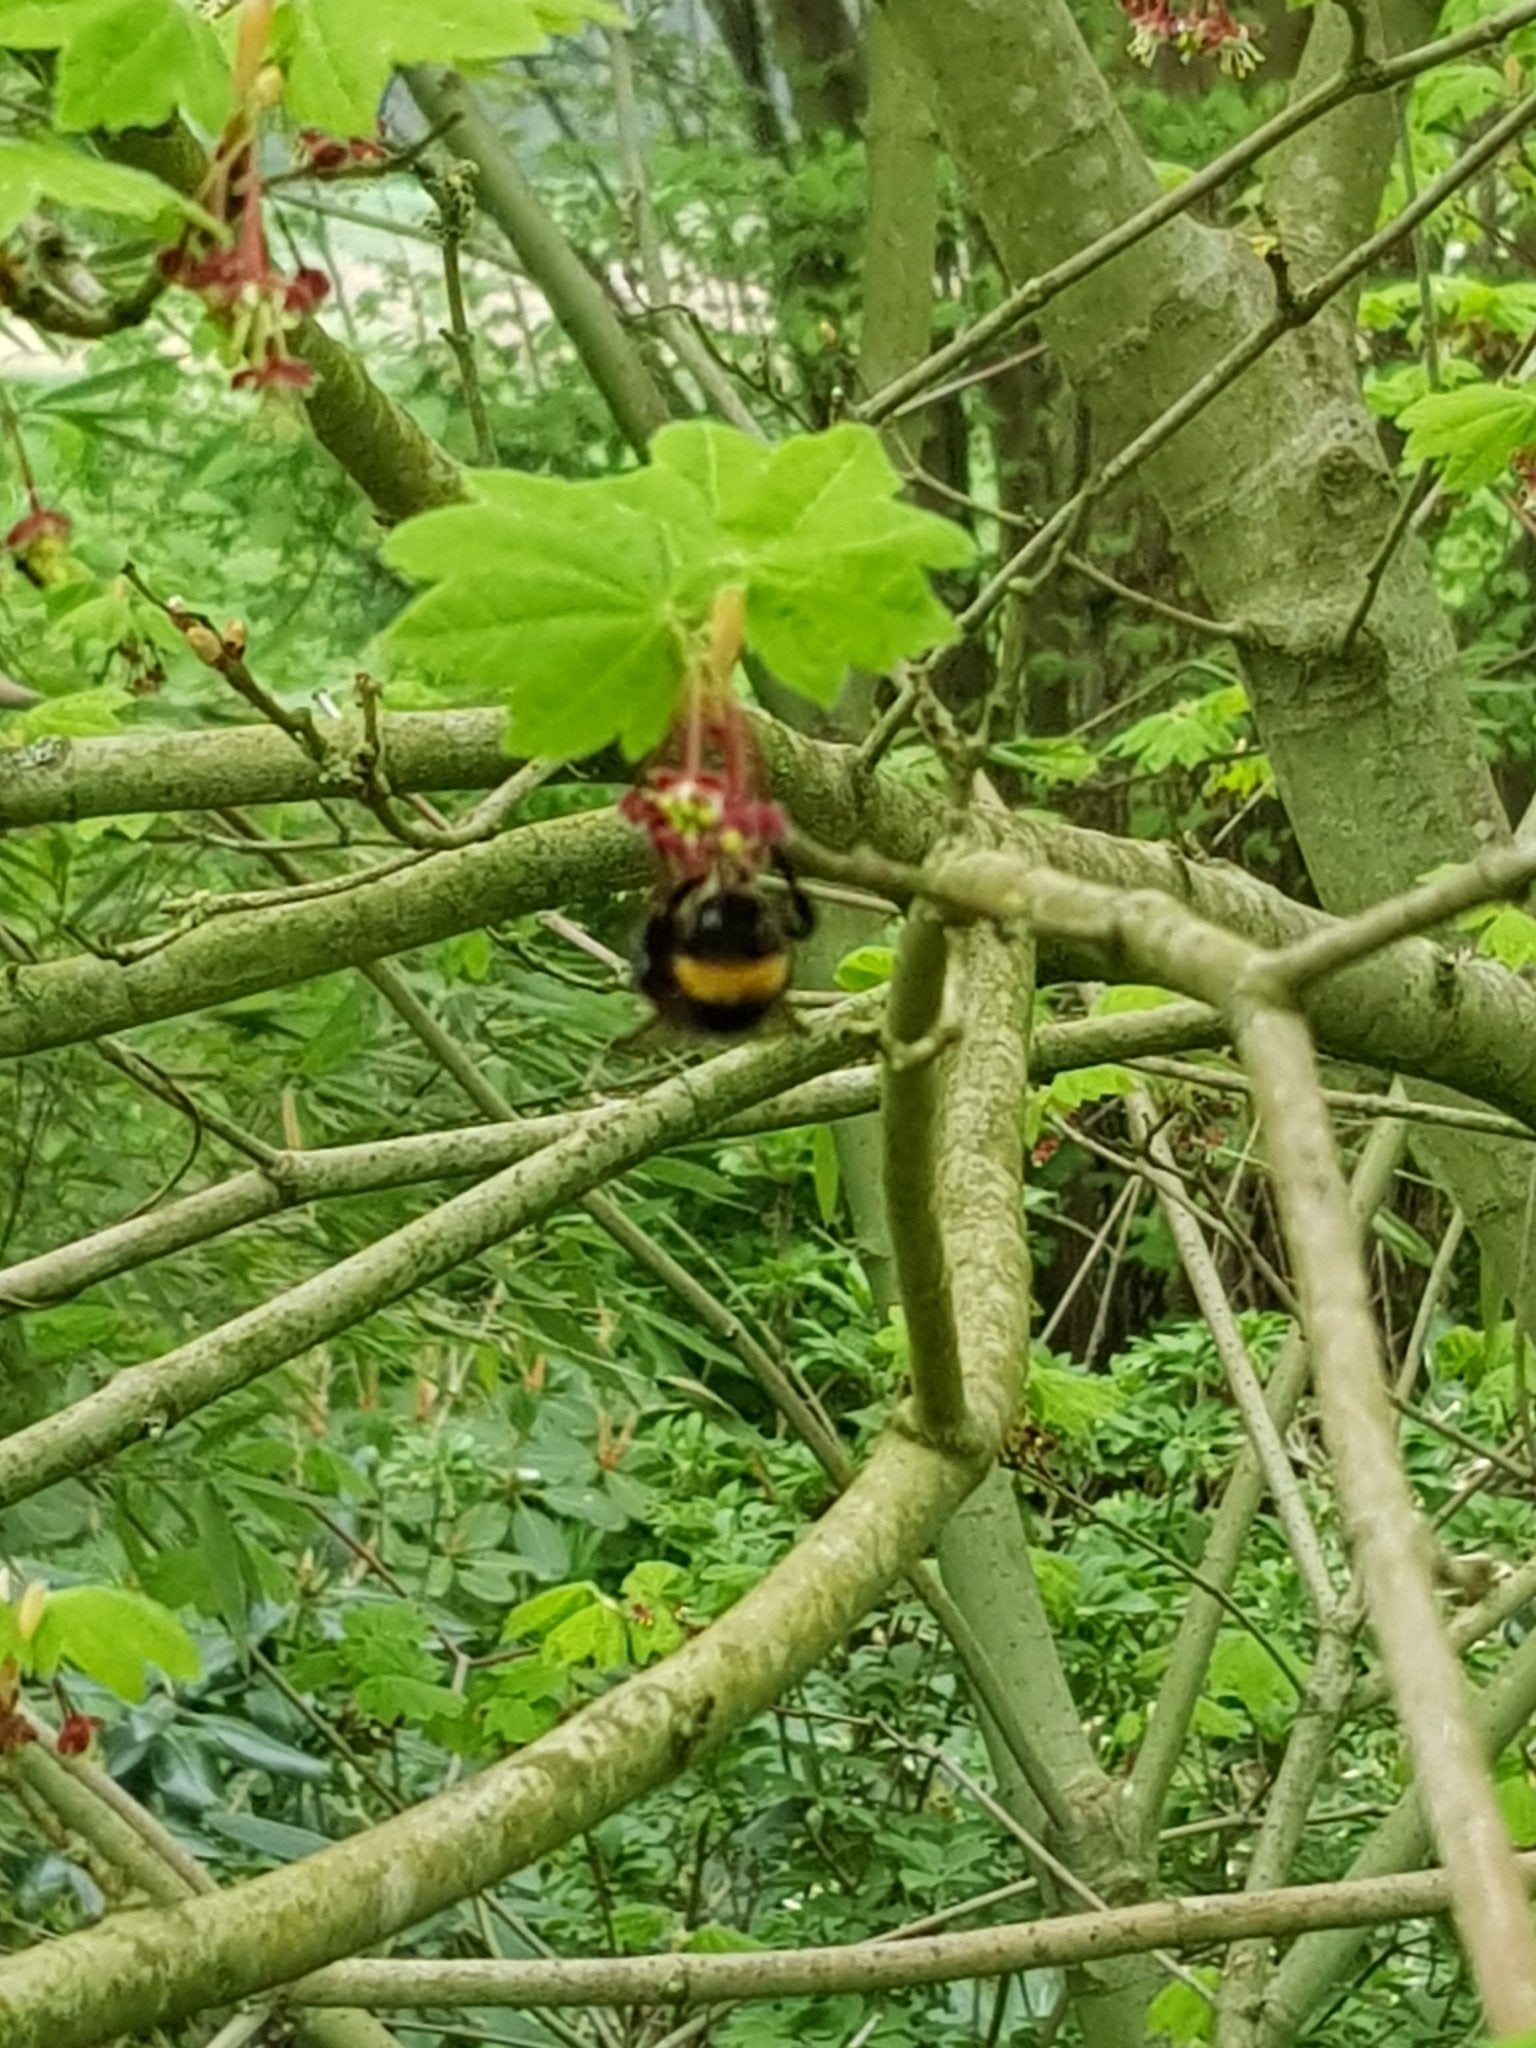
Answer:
(424, 1543)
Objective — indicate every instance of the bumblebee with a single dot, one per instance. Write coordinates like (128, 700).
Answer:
(717, 955)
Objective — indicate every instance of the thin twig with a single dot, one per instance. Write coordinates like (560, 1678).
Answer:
(1189, 1923)
(455, 197)
(1429, 1300)
(680, 334)
(1486, 1122)
(1242, 1381)
(1506, 872)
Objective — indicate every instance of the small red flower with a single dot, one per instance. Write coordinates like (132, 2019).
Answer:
(75, 1734)
(707, 812)
(697, 820)
(16, 1731)
(325, 155)
(40, 524)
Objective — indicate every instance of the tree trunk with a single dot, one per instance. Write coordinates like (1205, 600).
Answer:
(1278, 494)
(821, 58)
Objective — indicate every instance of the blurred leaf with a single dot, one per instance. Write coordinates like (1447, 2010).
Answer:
(1470, 433)
(114, 1637)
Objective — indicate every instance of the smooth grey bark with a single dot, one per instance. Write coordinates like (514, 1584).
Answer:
(1462, 1022)
(1278, 495)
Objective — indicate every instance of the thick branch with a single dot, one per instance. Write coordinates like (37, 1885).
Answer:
(1465, 1022)
(57, 781)
(129, 1837)
(913, 1131)
(469, 1152)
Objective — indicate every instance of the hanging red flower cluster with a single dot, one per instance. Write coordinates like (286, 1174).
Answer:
(706, 813)
(236, 278)
(700, 800)
(229, 265)
(1195, 28)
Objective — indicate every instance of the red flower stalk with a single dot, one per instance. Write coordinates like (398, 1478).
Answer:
(236, 279)
(708, 811)
(701, 802)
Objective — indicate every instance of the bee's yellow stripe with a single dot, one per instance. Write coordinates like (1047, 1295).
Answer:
(731, 981)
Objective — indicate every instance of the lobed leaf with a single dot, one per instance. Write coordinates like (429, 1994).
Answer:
(112, 1636)
(340, 53)
(125, 63)
(34, 172)
(576, 601)
(1470, 433)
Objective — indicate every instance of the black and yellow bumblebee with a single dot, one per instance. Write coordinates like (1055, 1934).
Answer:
(717, 954)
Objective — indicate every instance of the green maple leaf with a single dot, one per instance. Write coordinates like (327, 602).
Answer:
(31, 172)
(125, 63)
(113, 1636)
(554, 598)
(339, 53)
(576, 601)
(834, 565)
(1470, 432)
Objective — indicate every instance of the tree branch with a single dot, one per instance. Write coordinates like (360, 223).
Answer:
(1387, 1538)
(1464, 1022)
(895, 1963)
(913, 1130)
(398, 465)
(580, 304)
(1242, 1381)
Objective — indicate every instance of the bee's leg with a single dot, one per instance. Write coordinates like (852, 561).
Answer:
(800, 920)
(650, 961)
